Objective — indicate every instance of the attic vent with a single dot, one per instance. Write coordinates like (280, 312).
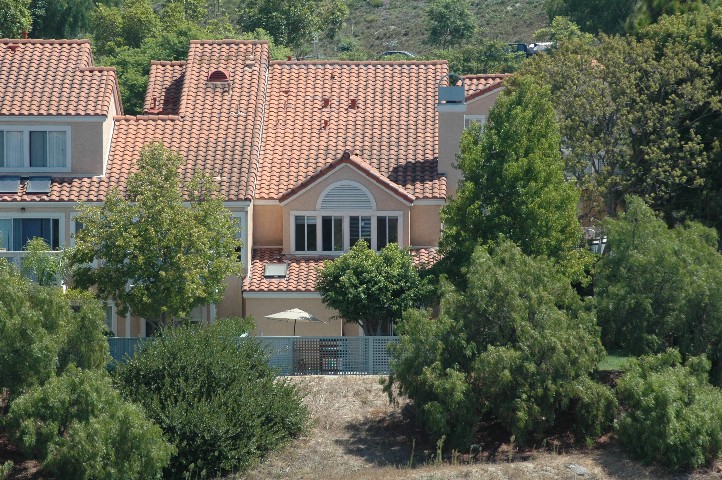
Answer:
(347, 196)
(219, 76)
(38, 185)
(9, 184)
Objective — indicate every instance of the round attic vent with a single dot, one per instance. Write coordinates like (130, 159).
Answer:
(219, 76)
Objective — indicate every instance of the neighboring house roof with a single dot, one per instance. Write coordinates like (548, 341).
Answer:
(359, 164)
(54, 77)
(165, 84)
(477, 85)
(382, 112)
(302, 270)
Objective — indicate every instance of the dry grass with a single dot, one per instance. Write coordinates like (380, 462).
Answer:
(357, 434)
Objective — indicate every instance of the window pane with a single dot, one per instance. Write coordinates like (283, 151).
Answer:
(381, 232)
(366, 230)
(55, 239)
(29, 228)
(311, 234)
(393, 234)
(5, 233)
(337, 234)
(300, 231)
(57, 145)
(355, 230)
(14, 152)
(327, 233)
(38, 149)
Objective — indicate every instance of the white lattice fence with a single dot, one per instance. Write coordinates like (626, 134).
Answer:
(306, 355)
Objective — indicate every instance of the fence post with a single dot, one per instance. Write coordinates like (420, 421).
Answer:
(369, 356)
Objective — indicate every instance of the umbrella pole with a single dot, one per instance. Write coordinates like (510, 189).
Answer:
(294, 326)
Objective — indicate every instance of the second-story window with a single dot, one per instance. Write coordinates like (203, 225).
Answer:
(34, 148)
(305, 230)
(15, 232)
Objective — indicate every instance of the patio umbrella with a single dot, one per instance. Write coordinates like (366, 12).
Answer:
(295, 315)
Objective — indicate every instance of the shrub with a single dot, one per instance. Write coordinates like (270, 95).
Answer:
(80, 427)
(517, 343)
(5, 469)
(214, 395)
(671, 414)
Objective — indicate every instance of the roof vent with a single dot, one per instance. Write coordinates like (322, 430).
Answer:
(326, 102)
(38, 185)
(13, 47)
(9, 184)
(354, 104)
(275, 270)
(219, 76)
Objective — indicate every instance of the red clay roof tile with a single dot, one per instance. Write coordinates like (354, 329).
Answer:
(477, 85)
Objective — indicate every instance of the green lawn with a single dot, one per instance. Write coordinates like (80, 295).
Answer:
(613, 361)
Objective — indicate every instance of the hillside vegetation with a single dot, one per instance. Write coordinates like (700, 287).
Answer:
(379, 25)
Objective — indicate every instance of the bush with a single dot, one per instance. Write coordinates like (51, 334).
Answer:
(671, 414)
(40, 334)
(80, 427)
(517, 343)
(214, 395)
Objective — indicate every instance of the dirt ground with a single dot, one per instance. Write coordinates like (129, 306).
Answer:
(357, 434)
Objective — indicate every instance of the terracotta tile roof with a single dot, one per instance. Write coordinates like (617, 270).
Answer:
(54, 77)
(477, 85)
(302, 270)
(165, 84)
(217, 129)
(383, 112)
(347, 159)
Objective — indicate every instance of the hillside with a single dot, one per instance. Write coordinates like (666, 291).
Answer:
(379, 25)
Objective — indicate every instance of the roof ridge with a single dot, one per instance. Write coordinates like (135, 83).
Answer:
(359, 62)
(49, 41)
(147, 117)
(487, 75)
(97, 68)
(172, 63)
(228, 41)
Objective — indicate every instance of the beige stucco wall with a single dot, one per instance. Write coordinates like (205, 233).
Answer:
(267, 225)
(425, 225)
(108, 127)
(86, 144)
(258, 308)
(451, 126)
(307, 201)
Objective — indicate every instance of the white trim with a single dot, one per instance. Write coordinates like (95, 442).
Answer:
(345, 214)
(52, 118)
(429, 201)
(345, 165)
(26, 129)
(242, 218)
(143, 328)
(127, 324)
(237, 203)
(106, 154)
(281, 295)
(266, 202)
(450, 107)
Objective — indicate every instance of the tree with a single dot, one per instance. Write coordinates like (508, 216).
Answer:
(449, 22)
(371, 289)
(594, 16)
(61, 18)
(659, 287)
(513, 183)
(157, 258)
(482, 57)
(517, 343)
(41, 264)
(14, 18)
(633, 116)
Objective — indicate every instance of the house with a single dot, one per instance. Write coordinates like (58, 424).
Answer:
(309, 156)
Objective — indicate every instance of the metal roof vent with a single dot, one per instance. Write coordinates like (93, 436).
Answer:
(9, 184)
(38, 185)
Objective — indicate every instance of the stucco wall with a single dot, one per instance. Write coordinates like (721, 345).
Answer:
(267, 225)
(258, 308)
(425, 225)
(307, 201)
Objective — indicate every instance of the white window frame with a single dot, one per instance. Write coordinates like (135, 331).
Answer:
(346, 228)
(53, 216)
(113, 317)
(480, 119)
(26, 129)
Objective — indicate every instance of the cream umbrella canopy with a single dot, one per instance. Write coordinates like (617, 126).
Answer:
(295, 315)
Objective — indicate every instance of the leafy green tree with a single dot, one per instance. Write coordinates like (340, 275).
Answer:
(157, 258)
(14, 18)
(62, 18)
(671, 414)
(372, 289)
(449, 22)
(40, 264)
(482, 57)
(632, 115)
(648, 12)
(215, 396)
(127, 25)
(291, 22)
(513, 184)
(594, 16)
(517, 343)
(659, 287)
(40, 334)
(80, 427)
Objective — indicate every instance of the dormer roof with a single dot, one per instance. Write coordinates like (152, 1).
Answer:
(53, 78)
(477, 85)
